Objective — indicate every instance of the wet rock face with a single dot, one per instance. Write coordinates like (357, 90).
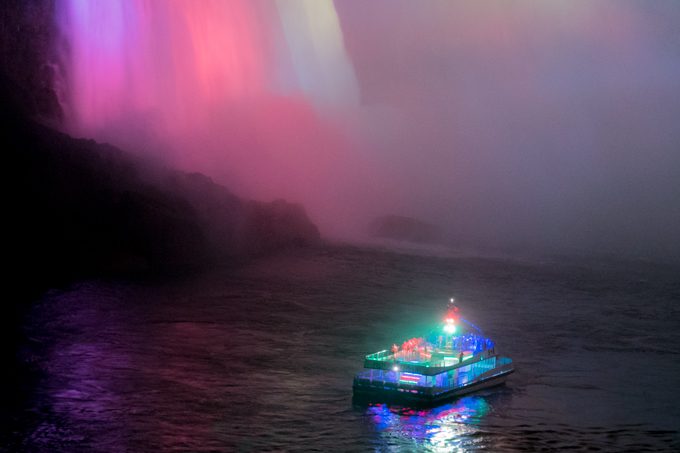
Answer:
(405, 229)
(276, 225)
(29, 44)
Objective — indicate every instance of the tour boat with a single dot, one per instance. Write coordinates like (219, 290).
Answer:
(454, 360)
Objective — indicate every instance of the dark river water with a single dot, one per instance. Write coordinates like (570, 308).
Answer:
(261, 357)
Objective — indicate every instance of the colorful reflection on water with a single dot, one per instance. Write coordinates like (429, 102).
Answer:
(450, 427)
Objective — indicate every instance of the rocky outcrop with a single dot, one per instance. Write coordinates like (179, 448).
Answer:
(87, 209)
(275, 225)
(405, 229)
(236, 227)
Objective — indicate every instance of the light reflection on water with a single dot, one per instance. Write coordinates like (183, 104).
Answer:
(262, 359)
(450, 427)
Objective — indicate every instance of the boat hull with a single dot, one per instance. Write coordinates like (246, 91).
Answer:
(368, 393)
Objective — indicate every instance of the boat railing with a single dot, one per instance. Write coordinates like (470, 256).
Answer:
(504, 361)
(380, 355)
(400, 356)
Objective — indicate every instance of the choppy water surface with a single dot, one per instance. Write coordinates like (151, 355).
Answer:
(262, 357)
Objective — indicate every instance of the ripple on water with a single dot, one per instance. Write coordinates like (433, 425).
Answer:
(262, 358)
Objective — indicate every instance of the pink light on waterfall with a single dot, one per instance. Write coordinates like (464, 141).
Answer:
(167, 60)
(173, 61)
(246, 91)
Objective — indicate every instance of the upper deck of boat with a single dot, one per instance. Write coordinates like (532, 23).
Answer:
(428, 361)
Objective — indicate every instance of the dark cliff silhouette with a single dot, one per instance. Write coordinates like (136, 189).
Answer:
(87, 209)
(80, 209)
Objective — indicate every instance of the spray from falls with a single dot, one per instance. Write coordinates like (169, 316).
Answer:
(505, 124)
(175, 58)
(240, 89)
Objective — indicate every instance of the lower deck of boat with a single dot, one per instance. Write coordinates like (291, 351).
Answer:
(402, 394)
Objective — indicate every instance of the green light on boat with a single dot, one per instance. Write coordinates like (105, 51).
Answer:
(450, 328)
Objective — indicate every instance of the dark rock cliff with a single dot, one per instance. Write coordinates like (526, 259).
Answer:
(89, 209)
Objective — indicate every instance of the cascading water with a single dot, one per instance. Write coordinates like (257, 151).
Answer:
(225, 87)
(166, 59)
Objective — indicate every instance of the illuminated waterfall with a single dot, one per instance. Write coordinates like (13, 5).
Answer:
(168, 63)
